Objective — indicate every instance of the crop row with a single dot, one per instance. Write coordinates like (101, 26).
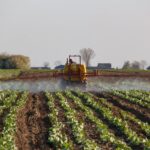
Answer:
(99, 111)
(102, 129)
(7, 140)
(139, 95)
(126, 115)
(56, 136)
(121, 125)
(7, 102)
(76, 125)
(131, 99)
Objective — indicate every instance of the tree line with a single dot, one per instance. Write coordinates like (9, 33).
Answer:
(134, 65)
(14, 61)
(87, 54)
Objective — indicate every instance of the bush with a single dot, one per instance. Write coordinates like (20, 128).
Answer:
(14, 62)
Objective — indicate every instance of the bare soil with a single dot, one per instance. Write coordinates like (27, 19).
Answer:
(89, 127)
(67, 129)
(113, 128)
(117, 112)
(141, 113)
(33, 124)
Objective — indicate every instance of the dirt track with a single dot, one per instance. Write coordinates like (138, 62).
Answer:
(33, 124)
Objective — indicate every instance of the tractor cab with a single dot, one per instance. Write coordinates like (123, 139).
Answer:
(75, 72)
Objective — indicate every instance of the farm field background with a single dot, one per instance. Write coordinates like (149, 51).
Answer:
(16, 74)
(73, 119)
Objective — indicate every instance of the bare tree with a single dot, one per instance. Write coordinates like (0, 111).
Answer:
(126, 65)
(57, 63)
(46, 64)
(87, 54)
(143, 64)
(136, 65)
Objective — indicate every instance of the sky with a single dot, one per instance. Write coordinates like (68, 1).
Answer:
(50, 30)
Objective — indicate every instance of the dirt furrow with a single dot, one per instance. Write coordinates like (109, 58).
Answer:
(111, 126)
(117, 112)
(66, 129)
(33, 124)
(89, 127)
(139, 112)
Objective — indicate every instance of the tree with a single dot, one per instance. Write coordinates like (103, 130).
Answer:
(46, 64)
(57, 63)
(3, 60)
(87, 54)
(136, 65)
(126, 65)
(143, 64)
(14, 62)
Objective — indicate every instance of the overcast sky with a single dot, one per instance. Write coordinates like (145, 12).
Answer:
(50, 30)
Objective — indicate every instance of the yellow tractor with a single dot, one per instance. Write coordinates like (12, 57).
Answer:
(74, 74)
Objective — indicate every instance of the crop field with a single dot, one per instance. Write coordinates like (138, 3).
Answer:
(18, 74)
(75, 120)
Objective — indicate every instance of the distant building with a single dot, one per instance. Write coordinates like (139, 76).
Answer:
(148, 68)
(40, 68)
(101, 66)
(92, 67)
(60, 67)
(104, 66)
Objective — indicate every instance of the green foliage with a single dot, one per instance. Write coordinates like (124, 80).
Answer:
(121, 125)
(9, 73)
(14, 62)
(7, 141)
(102, 128)
(135, 100)
(76, 125)
(56, 136)
(127, 115)
(89, 104)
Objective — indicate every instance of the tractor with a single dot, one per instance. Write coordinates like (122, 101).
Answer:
(74, 73)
